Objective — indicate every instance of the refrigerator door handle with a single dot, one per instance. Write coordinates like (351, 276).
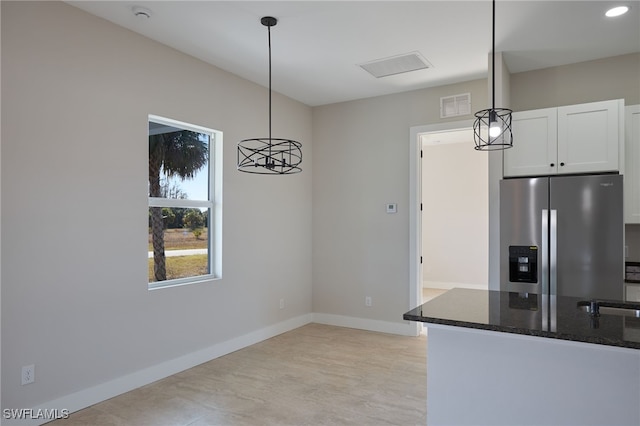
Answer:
(544, 270)
(553, 268)
(545, 253)
(553, 252)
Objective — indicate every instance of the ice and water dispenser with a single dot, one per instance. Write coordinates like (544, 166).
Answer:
(523, 264)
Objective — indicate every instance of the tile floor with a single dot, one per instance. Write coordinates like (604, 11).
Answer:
(431, 293)
(313, 375)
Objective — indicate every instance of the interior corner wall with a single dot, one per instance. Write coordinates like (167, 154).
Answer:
(0, 210)
(76, 94)
(603, 79)
(361, 163)
(503, 100)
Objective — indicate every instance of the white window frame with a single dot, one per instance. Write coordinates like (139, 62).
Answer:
(214, 204)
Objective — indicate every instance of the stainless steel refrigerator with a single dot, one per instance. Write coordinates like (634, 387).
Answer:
(563, 235)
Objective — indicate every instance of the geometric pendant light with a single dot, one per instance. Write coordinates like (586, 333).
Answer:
(492, 127)
(269, 156)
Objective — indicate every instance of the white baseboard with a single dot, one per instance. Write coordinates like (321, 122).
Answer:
(95, 394)
(450, 285)
(407, 329)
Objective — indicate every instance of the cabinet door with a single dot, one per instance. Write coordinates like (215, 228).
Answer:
(534, 150)
(588, 137)
(632, 165)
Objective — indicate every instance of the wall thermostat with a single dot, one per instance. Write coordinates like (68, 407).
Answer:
(392, 207)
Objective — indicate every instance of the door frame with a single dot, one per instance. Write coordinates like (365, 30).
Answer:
(415, 198)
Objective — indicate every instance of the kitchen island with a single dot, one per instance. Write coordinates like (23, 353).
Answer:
(506, 358)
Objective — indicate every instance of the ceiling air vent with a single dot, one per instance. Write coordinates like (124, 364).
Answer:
(396, 65)
(453, 106)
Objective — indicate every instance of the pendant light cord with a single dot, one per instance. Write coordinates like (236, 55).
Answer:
(493, 57)
(269, 32)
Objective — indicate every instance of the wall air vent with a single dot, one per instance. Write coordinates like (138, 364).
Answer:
(396, 65)
(453, 106)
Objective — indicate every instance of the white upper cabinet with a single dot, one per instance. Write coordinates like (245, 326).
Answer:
(535, 141)
(581, 138)
(589, 137)
(632, 166)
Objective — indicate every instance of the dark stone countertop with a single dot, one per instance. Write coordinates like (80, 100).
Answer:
(527, 314)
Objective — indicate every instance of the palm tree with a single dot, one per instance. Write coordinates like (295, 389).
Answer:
(181, 154)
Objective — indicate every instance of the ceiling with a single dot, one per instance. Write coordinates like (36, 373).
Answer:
(317, 45)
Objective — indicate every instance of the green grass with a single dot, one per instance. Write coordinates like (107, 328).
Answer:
(182, 266)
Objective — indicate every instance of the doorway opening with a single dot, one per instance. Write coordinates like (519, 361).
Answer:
(455, 211)
(449, 211)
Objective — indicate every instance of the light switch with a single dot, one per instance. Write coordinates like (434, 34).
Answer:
(392, 207)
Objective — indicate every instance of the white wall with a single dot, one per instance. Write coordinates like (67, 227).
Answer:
(455, 216)
(76, 92)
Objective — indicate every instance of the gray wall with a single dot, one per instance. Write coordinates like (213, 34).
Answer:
(76, 92)
(610, 78)
(360, 163)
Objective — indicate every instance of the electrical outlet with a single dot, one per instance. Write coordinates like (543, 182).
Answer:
(367, 301)
(28, 374)
(281, 303)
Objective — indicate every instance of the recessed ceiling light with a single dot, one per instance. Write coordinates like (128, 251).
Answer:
(617, 11)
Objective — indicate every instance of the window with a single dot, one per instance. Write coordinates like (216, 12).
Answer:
(185, 203)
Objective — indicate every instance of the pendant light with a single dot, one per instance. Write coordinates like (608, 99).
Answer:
(269, 156)
(492, 127)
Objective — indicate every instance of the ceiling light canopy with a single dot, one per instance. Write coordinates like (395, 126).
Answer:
(269, 156)
(141, 12)
(617, 11)
(492, 127)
